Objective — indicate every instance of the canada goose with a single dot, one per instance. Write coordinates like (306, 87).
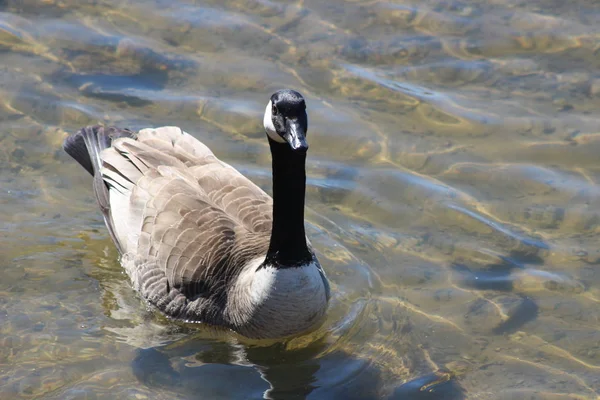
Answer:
(199, 240)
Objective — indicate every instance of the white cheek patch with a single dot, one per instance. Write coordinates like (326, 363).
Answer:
(269, 127)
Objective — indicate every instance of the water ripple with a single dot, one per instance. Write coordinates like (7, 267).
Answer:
(452, 194)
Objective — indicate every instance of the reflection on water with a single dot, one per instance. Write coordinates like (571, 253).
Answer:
(452, 190)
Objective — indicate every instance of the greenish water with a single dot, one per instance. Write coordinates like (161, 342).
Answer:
(453, 190)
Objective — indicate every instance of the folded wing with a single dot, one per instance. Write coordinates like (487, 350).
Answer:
(185, 221)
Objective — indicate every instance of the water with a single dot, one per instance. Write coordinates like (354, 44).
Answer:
(453, 194)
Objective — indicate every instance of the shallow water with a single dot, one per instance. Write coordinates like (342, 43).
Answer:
(453, 194)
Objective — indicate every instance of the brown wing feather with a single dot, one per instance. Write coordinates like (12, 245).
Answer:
(188, 223)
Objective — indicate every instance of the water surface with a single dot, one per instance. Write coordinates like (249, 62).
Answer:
(452, 190)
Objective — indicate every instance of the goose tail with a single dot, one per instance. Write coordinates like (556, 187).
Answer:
(85, 147)
(86, 144)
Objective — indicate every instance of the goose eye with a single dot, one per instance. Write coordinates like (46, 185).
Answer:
(274, 111)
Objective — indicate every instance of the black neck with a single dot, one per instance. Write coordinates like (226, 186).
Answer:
(288, 246)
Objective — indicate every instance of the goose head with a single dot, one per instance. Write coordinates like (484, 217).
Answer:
(286, 121)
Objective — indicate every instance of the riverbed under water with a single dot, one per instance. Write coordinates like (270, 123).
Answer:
(453, 194)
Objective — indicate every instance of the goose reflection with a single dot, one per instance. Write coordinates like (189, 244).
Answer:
(223, 369)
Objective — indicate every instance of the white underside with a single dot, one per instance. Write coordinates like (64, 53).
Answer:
(120, 201)
(278, 301)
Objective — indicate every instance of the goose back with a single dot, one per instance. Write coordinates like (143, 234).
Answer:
(185, 222)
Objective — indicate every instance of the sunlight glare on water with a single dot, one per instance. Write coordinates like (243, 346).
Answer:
(452, 194)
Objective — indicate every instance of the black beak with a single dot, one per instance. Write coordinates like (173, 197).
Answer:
(295, 135)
